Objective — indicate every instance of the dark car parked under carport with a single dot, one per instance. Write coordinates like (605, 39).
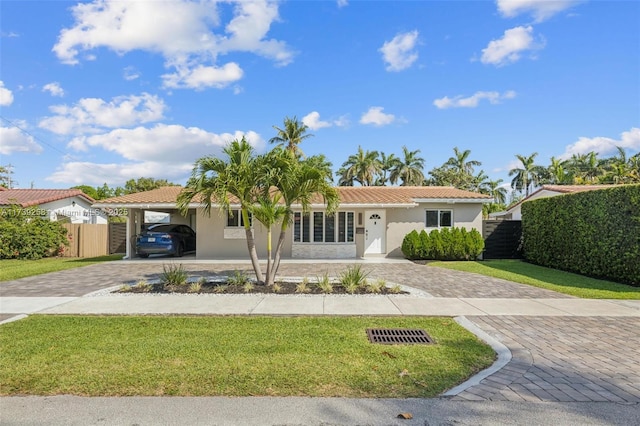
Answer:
(171, 239)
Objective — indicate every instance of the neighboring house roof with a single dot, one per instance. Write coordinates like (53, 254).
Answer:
(34, 197)
(349, 195)
(560, 189)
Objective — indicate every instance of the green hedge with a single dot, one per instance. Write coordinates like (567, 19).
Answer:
(25, 236)
(443, 244)
(594, 233)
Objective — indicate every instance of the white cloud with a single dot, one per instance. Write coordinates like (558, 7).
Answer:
(162, 143)
(54, 89)
(342, 3)
(312, 120)
(399, 53)
(187, 43)
(603, 145)
(511, 46)
(147, 152)
(202, 77)
(15, 140)
(540, 10)
(473, 100)
(376, 117)
(6, 96)
(77, 172)
(92, 114)
(130, 73)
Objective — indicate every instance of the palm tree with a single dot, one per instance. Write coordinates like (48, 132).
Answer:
(495, 190)
(389, 163)
(526, 176)
(291, 135)
(586, 168)
(459, 162)
(269, 211)
(214, 180)
(557, 173)
(297, 182)
(409, 169)
(362, 167)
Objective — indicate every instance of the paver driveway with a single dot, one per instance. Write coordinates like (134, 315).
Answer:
(553, 358)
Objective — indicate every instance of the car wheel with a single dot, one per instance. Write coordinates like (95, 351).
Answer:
(179, 250)
(143, 255)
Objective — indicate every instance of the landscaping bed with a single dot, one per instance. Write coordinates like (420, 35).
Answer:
(175, 279)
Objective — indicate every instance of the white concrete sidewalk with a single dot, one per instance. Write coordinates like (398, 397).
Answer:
(254, 304)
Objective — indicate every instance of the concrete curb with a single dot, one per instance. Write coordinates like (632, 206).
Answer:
(504, 356)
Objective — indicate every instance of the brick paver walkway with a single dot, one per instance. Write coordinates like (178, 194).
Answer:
(553, 358)
(566, 359)
(438, 282)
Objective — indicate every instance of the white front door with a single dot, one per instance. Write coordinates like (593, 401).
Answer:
(374, 232)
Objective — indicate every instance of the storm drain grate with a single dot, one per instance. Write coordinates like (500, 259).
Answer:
(390, 336)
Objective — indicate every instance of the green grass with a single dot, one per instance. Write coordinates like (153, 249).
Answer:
(551, 279)
(233, 356)
(12, 269)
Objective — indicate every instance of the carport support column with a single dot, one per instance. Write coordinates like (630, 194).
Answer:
(131, 232)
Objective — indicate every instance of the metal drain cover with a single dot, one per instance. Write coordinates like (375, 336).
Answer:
(390, 336)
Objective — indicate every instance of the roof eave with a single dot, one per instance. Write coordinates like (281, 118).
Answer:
(454, 200)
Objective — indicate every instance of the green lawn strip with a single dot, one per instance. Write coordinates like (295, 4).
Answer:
(232, 356)
(12, 269)
(552, 279)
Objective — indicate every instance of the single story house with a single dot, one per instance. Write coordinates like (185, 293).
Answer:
(515, 211)
(69, 205)
(370, 221)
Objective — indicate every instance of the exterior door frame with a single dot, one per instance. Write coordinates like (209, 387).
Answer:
(375, 228)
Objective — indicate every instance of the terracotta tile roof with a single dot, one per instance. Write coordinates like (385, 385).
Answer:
(561, 189)
(163, 195)
(348, 195)
(402, 194)
(33, 197)
(566, 189)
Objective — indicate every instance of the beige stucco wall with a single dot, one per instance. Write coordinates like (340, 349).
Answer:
(402, 221)
(213, 242)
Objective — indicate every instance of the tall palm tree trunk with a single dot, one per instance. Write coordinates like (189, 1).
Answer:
(251, 245)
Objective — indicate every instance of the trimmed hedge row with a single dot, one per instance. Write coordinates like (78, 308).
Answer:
(594, 233)
(444, 244)
(29, 237)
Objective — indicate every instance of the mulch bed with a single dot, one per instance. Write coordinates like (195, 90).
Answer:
(223, 288)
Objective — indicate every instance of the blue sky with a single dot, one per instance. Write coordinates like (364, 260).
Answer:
(103, 91)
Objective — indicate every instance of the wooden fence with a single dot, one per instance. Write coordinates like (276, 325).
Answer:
(501, 239)
(117, 238)
(87, 240)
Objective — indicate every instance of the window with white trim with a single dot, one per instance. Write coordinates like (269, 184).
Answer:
(439, 218)
(318, 227)
(235, 220)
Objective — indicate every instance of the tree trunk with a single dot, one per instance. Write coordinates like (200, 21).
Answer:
(283, 231)
(251, 245)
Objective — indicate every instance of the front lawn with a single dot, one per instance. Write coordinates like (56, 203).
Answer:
(232, 356)
(12, 269)
(551, 279)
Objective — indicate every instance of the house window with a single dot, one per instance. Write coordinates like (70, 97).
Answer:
(319, 227)
(439, 218)
(235, 220)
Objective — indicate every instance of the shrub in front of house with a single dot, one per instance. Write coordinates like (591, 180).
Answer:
(23, 236)
(443, 244)
(410, 245)
(593, 233)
